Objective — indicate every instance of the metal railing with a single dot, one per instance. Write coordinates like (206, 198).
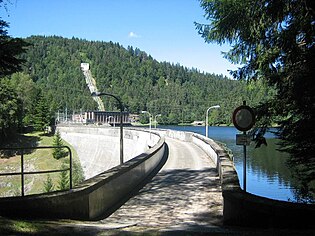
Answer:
(23, 173)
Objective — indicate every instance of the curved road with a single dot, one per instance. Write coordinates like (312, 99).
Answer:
(185, 194)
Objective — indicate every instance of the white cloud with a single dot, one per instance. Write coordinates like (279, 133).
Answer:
(133, 35)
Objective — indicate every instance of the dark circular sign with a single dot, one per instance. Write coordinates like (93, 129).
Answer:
(243, 118)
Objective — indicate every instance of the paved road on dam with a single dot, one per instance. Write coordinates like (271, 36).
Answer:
(185, 194)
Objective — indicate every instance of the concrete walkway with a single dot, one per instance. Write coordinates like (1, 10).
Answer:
(184, 195)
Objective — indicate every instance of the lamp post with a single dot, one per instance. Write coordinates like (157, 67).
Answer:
(94, 94)
(144, 112)
(213, 107)
(155, 120)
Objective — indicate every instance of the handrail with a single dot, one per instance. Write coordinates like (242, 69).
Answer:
(22, 173)
(95, 197)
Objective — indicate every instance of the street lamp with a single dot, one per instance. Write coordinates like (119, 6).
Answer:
(155, 120)
(96, 94)
(213, 107)
(144, 112)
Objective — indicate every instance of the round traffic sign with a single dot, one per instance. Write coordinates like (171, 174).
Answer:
(243, 118)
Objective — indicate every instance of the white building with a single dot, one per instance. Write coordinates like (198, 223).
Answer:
(85, 66)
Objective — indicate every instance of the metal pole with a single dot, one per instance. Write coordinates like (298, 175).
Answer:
(150, 116)
(244, 166)
(121, 134)
(156, 120)
(121, 122)
(22, 173)
(207, 122)
(70, 166)
(216, 106)
(150, 125)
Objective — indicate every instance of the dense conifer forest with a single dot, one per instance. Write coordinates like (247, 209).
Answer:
(51, 80)
(180, 94)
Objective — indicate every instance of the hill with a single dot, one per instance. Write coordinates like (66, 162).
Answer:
(180, 94)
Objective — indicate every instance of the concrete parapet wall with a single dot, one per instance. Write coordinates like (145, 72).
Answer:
(180, 135)
(244, 209)
(95, 197)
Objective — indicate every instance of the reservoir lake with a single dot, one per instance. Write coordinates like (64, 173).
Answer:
(267, 172)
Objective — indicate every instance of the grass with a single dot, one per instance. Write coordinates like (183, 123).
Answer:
(19, 227)
(8, 226)
(37, 160)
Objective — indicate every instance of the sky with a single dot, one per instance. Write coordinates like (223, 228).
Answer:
(162, 28)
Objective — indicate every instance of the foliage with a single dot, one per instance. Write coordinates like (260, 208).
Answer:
(10, 109)
(77, 174)
(42, 116)
(54, 64)
(144, 118)
(180, 94)
(63, 183)
(274, 40)
(57, 142)
(10, 49)
(48, 185)
(27, 92)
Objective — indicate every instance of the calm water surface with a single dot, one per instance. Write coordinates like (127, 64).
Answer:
(267, 173)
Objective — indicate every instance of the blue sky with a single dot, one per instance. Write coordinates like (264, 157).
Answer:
(162, 28)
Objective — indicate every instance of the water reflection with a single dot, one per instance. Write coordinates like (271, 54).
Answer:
(267, 172)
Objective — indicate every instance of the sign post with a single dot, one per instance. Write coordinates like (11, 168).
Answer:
(243, 120)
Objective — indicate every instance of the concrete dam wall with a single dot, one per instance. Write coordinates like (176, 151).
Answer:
(98, 147)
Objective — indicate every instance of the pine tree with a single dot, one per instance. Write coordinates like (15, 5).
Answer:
(10, 109)
(57, 142)
(42, 115)
(78, 174)
(63, 178)
(48, 185)
(10, 49)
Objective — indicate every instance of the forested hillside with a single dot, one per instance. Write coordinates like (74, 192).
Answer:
(180, 94)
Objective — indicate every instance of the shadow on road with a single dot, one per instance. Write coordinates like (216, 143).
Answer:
(174, 198)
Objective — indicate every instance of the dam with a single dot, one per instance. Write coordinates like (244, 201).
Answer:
(193, 181)
(98, 147)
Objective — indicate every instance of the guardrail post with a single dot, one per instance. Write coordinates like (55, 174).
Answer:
(22, 172)
(70, 164)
